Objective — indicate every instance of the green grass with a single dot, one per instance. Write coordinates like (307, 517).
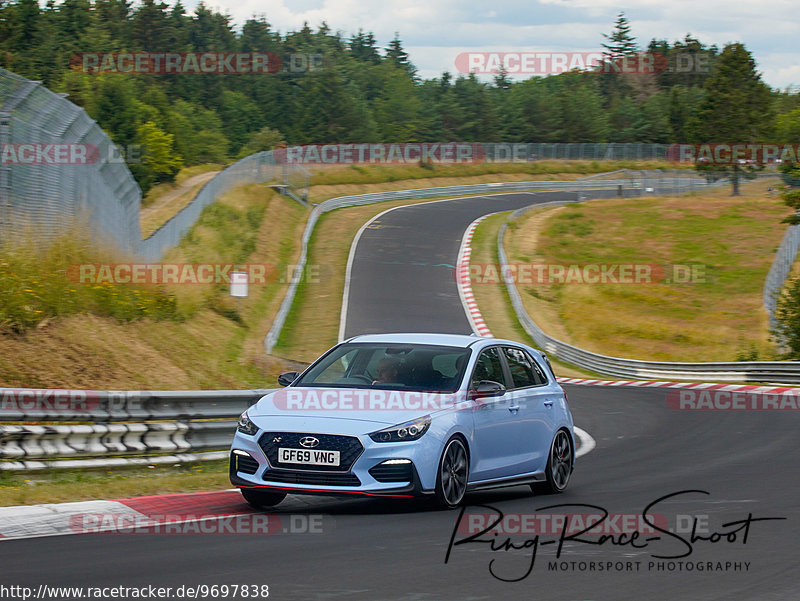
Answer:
(42, 280)
(58, 486)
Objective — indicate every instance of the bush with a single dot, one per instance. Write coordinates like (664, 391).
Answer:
(38, 282)
(787, 314)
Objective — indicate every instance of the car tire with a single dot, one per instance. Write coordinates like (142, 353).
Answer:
(560, 461)
(262, 498)
(452, 474)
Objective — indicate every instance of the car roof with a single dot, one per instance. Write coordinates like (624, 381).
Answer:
(456, 340)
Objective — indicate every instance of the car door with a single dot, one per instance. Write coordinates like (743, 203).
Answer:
(529, 391)
(500, 444)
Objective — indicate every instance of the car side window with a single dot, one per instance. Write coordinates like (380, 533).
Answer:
(524, 370)
(489, 367)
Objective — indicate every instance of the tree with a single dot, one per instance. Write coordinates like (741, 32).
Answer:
(621, 44)
(787, 314)
(620, 48)
(787, 127)
(363, 48)
(399, 57)
(737, 108)
(398, 109)
(240, 116)
(626, 122)
(264, 139)
(152, 26)
(582, 116)
(159, 161)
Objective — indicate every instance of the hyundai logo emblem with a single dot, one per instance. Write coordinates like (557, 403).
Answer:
(309, 442)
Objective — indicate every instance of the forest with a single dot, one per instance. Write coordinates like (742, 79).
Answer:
(355, 90)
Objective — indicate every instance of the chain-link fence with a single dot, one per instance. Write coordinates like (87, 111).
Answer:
(57, 163)
(780, 270)
(256, 168)
(589, 151)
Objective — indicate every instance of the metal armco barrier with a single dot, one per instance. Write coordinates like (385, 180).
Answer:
(110, 428)
(734, 371)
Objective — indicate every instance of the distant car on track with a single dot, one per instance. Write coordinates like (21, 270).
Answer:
(405, 416)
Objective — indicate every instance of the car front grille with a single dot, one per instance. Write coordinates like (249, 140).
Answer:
(315, 478)
(349, 448)
(393, 472)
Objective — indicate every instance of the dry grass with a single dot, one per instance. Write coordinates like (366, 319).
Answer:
(329, 182)
(164, 201)
(492, 297)
(718, 319)
(322, 192)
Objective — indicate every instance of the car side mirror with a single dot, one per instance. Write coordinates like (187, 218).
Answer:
(487, 388)
(287, 378)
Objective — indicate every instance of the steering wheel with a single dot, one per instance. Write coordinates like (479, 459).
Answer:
(361, 377)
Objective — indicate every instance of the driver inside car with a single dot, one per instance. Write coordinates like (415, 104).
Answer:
(387, 372)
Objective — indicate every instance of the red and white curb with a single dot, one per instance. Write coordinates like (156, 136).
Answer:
(125, 515)
(463, 281)
(686, 385)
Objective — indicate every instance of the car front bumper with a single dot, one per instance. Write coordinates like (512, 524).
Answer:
(256, 470)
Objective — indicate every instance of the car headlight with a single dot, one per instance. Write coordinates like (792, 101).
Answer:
(411, 430)
(245, 426)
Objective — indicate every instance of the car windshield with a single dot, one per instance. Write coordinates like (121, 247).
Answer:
(393, 366)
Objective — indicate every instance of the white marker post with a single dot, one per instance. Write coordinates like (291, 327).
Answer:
(239, 283)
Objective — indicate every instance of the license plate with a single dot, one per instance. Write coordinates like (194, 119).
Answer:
(308, 456)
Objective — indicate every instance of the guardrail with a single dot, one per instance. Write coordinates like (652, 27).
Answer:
(733, 371)
(645, 185)
(108, 428)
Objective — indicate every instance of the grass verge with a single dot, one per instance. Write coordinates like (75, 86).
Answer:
(331, 182)
(164, 202)
(717, 316)
(492, 296)
(60, 486)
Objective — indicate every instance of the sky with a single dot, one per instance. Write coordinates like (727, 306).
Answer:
(435, 32)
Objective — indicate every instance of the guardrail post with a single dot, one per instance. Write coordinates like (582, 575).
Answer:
(5, 176)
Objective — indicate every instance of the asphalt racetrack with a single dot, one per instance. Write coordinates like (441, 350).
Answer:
(741, 465)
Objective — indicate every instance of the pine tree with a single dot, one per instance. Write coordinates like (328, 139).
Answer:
(621, 43)
(399, 57)
(737, 109)
(363, 48)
